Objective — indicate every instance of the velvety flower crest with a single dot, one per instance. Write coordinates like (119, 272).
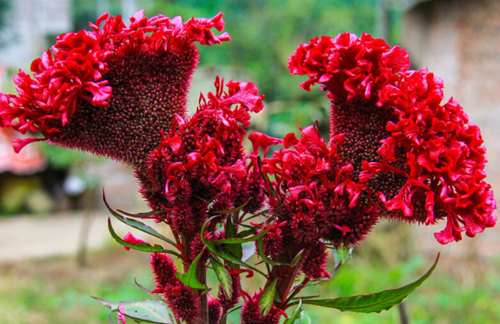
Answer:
(421, 158)
(113, 89)
(201, 163)
(348, 66)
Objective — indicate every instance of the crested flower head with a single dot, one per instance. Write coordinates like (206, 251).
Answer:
(315, 200)
(200, 163)
(111, 90)
(421, 158)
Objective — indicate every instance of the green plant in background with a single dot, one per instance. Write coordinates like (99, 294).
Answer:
(395, 152)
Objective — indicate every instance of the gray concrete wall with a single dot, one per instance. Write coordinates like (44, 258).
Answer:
(29, 22)
(459, 40)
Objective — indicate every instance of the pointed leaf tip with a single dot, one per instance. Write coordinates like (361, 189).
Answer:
(375, 302)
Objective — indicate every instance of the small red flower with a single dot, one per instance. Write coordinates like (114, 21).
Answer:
(251, 312)
(119, 316)
(112, 90)
(214, 311)
(180, 298)
(423, 159)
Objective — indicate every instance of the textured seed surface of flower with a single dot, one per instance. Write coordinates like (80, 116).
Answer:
(111, 90)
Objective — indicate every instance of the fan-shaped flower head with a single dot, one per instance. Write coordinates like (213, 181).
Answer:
(422, 158)
(315, 200)
(200, 163)
(111, 90)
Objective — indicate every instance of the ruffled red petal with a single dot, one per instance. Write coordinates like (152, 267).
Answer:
(76, 66)
(348, 66)
(430, 164)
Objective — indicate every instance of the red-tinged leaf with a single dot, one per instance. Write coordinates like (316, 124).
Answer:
(143, 215)
(229, 211)
(137, 215)
(267, 298)
(148, 311)
(223, 252)
(239, 240)
(297, 258)
(189, 278)
(375, 302)
(137, 224)
(224, 277)
(226, 255)
(145, 247)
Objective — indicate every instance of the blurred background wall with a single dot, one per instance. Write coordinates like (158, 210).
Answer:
(459, 40)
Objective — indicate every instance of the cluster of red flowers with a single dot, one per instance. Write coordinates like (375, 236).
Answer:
(395, 151)
(112, 90)
(199, 165)
(315, 200)
(422, 159)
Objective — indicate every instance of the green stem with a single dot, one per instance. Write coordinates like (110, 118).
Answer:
(201, 275)
(286, 276)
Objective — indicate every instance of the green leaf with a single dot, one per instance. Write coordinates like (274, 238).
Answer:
(137, 224)
(297, 258)
(149, 311)
(297, 313)
(223, 276)
(145, 247)
(223, 252)
(143, 215)
(229, 211)
(239, 240)
(226, 255)
(342, 254)
(267, 298)
(375, 302)
(266, 178)
(189, 278)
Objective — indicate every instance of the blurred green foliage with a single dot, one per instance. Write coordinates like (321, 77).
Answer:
(264, 34)
(58, 293)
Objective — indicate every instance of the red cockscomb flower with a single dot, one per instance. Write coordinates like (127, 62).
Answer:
(423, 159)
(315, 200)
(200, 163)
(111, 90)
